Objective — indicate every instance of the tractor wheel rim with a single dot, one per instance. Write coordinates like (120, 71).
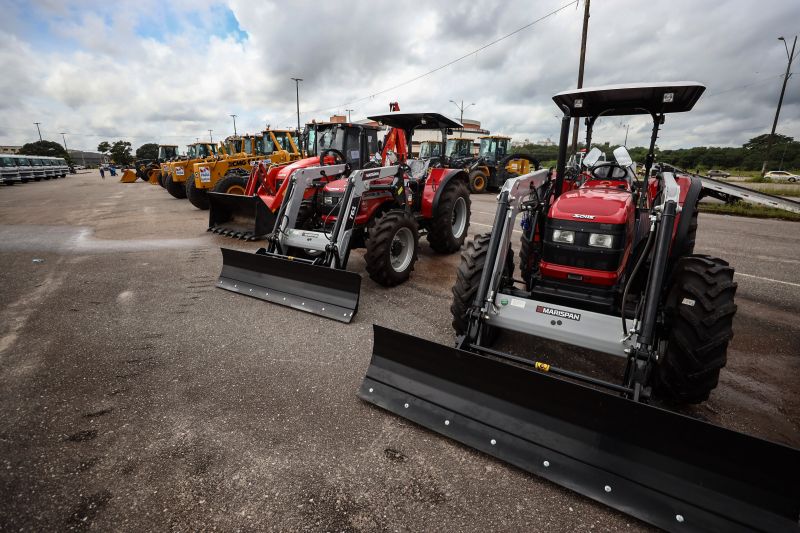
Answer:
(478, 183)
(235, 189)
(402, 250)
(459, 217)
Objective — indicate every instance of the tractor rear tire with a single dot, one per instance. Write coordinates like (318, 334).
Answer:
(231, 184)
(450, 223)
(197, 197)
(178, 190)
(477, 182)
(392, 248)
(698, 315)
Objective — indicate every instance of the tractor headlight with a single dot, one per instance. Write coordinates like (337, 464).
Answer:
(560, 235)
(601, 240)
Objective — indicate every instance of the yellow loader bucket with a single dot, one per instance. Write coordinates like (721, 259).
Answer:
(129, 176)
(152, 176)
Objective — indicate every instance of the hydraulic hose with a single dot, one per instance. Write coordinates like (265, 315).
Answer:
(635, 270)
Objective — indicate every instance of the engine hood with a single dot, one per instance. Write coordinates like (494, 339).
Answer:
(595, 204)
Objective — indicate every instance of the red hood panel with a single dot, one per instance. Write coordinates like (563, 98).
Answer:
(595, 204)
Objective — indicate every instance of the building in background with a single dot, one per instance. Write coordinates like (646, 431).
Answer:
(9, 149)
(88, 159)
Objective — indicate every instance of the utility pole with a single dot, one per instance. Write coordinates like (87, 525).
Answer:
(37, 129)
(461, 108)
(65, 141)
(348, 114)
(297, 93)
(576, 125)
(210, 136)
(771, 139)
(234, 124)
(627, 127)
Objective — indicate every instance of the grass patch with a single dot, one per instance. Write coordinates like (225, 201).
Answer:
(792, 191)
(743, 209)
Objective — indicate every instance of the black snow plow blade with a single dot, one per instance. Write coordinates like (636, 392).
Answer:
(239, 216)
(676, 472)
(314, 289)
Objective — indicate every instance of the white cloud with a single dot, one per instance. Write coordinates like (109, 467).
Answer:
(88, 71)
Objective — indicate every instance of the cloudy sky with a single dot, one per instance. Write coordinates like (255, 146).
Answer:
(153, 71)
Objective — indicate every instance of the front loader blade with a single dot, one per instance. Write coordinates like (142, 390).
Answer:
(239, 216)
(319, 290)
(676, 472)
(128, 176)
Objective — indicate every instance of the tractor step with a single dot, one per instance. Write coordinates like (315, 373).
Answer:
(675, 472)
(319, 290)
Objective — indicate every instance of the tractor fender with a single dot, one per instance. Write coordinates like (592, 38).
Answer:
(438, 178)
(690, 189)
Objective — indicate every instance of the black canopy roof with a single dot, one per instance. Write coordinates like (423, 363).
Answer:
(416, 121)
(631, 98)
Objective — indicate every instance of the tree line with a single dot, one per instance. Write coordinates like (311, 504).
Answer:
(785, 154)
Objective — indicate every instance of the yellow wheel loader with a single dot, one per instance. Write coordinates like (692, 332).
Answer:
(229, 174)
(179, 171)
(149, 170)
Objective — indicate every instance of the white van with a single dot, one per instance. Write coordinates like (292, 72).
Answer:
(9, 171)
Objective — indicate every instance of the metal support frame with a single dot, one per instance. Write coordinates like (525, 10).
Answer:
(337, 243)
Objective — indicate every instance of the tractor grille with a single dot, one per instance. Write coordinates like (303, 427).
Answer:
(578, 253)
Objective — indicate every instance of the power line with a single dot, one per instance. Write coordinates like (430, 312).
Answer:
(449, 63)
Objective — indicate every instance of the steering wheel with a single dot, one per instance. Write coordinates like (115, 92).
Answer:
(338, 157)
(608, 173)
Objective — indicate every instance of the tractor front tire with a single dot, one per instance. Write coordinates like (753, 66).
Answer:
(477, 182)
(178, 190)
(468, 278)
(392, 248)
(197, 197)
(698, 324)
(450, 223)
(231, 184)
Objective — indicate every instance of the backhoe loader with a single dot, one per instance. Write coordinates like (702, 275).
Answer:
(607, 265)
(229, 174)
(179, 171)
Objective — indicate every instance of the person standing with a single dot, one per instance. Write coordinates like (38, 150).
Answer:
(102, 172)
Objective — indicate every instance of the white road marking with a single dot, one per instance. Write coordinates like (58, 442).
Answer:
(769, 279)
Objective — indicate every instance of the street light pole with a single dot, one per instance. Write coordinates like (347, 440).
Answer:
(348, 114)
(37, 129)
(580, 70)
(210, 136)
(461, 108)
(771, 139)
(297, 95)
(65, 141)
(234, 124)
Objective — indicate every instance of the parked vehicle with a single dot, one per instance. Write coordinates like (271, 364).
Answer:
(718, 174)
(782, 175)
(9, 171)
(606, 264)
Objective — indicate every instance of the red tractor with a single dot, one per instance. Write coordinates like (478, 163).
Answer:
(251, 216)
(606, 264)
(384, 210)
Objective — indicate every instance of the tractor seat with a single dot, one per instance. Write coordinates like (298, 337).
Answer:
(418, 168)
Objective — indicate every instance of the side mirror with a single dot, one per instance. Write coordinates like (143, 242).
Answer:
(622, 157)
(592, 157)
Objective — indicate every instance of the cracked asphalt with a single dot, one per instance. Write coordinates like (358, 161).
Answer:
(137, 396)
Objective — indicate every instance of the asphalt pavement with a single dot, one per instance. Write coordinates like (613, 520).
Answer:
(137, 396)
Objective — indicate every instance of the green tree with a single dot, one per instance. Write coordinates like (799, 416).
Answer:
(121, 153)
(147, 151)
(104, 147)
(48, 148)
